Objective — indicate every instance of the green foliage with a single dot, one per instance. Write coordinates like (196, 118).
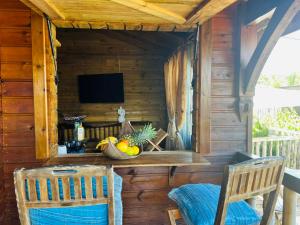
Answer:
(260, 129)
(270, 81)
(277, 81)
(293, 79)
(286, 118)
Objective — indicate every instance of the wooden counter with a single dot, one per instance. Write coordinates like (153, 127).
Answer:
(146, 159)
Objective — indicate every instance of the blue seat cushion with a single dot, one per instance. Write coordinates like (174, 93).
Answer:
(198, 205)
(79, 215)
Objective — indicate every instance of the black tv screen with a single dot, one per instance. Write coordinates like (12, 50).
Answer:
(101, 88)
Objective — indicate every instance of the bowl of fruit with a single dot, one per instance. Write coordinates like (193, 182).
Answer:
(129, 145)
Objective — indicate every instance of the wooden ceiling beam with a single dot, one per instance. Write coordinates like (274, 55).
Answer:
(123, 26)
(207, 9)
(44, 6)
(152, 9)
(281, 19)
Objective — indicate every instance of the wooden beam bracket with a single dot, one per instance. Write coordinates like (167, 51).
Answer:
(245, 106)
(283, 15)
(172, 171)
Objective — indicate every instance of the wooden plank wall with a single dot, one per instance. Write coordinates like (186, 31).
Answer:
(17, 126)
(145, 189)
(139, 56)
(228, 133)
(2, 197)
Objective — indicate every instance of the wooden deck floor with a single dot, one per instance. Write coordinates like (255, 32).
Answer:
(279, 209)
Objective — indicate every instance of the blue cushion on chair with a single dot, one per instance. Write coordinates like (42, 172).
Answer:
(198, 205)
(79, 215)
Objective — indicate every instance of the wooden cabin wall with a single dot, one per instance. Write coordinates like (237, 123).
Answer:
(17, 126)
(228, 133)
(144, 189)
(98, 51)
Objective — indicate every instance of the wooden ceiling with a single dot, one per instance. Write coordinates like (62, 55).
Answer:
(147, 15)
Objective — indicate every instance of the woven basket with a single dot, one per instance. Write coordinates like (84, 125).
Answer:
(111, 150)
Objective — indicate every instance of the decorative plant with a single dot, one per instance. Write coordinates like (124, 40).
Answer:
(140, 136)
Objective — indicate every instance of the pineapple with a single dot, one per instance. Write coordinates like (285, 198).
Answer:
(140, 136)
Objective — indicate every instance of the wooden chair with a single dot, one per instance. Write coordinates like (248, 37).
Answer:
(244, 181)
(51, 187)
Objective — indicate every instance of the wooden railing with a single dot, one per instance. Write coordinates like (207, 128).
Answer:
(93, 131)
(291, 191)
(288, 146)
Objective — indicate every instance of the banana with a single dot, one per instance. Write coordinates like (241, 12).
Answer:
(102, 144)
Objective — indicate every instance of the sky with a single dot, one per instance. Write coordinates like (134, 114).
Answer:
(285, 57)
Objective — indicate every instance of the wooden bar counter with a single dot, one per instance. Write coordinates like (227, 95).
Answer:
(146, 159)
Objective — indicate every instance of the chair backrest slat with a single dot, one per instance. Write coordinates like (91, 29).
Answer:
(54, 189)
(88, 187)
(77, 188)
(32, 190)
(246, 180)
(43, 186)
(99, 183)
(66, 188)
(63, 186)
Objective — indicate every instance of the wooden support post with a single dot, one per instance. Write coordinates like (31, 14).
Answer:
(289, 207)
(51, 93)
(38, 25)
(203, 90)
(246, 41)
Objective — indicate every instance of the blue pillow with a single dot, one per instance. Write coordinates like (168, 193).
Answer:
(78, 215)
(198, 205)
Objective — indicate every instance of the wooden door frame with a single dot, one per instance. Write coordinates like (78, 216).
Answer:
(202, 90)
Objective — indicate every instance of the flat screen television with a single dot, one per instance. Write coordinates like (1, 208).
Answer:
(101, 88)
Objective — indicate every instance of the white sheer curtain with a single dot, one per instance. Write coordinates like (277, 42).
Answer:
(175, 70)
(186, 130)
